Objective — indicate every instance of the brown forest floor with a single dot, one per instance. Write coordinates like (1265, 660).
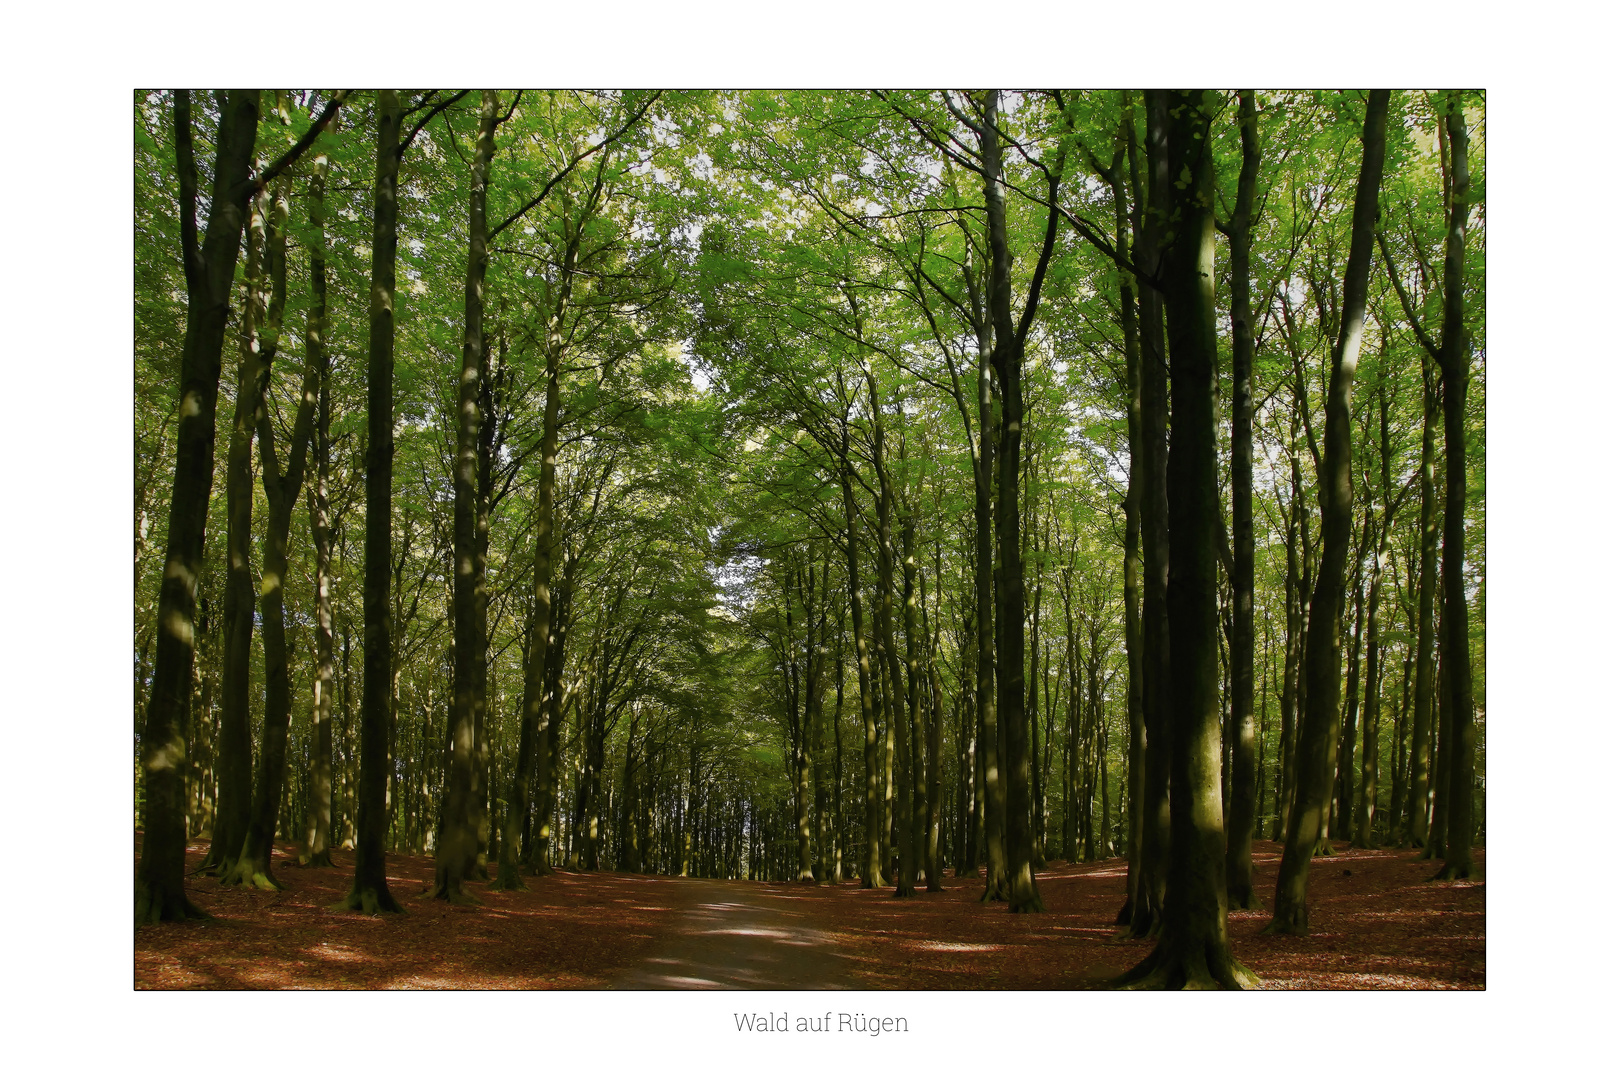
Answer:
(1376, 922)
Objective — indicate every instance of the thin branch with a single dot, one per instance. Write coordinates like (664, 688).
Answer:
(573, 163)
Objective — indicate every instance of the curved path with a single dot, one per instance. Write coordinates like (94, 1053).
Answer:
(739, 936)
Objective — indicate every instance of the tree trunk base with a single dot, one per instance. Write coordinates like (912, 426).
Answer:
(995, 892)
(1242, 899)
(251, 874)
(1188, 965)
(319, 859)
(1289, 919)
(509, 877)
(1323, 849)
(155, 904)
(369, 901)
(1454, 871)
(905, 891)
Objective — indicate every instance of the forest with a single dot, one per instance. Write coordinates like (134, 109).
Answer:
(1071, 503)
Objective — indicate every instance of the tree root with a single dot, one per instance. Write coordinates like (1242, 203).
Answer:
(154, 905)
(1126, 911)
(509, 878)
(1289, 920)
(1188, 966)
(245, 874)
(450, 893)
(322, 858)
(369, 901)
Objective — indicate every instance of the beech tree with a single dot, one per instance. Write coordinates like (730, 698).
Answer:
(910, 487)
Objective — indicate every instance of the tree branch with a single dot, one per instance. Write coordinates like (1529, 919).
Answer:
(296, 151)
(573, 163)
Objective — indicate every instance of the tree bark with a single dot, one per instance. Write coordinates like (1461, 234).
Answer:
(872, 860)
(1420, 790)
(236, 732)
(1193, 950)
(1322, 645)
(1454, 360)
(253, 866)
(1241, 814)
(209, 271)
(1008, 360)
(458, 842)
(1126, 227)
(318, 829)
(1151, 879)
(369, 892)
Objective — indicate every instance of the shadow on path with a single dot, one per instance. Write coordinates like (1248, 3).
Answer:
(738, 936)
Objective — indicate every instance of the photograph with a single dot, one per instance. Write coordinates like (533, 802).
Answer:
(836, 540)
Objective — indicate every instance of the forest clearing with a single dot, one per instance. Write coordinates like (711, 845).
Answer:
(919, 539)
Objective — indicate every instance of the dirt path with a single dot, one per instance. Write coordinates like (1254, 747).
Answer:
(740, 936)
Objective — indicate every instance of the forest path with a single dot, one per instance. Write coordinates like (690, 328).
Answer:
(740, 936)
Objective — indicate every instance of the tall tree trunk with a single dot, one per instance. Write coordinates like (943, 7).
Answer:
(1371, 702)
(370, 893)
(1454, 360)
(1344, 765)
(253, 866)
(1149, 253)
(1193, 950)
(1240, 817)
(458, 843)
(994, 793)
(1126, 225)
(236, 734)
(872, 860)
(318, 830)
(917, 693)
(1420, 791)
(209, 271)
(1022, 892)
(1322, 634)
(897, 707)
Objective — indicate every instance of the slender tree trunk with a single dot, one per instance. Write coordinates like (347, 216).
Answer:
(1022, 892)
(1454, 360)
(458, 843)
(281, 490)
(917, 693)
(872, 862)
(1240, 818)
(896, 700)
(236, 733)
(209, 270)
(370, 892)
(1322, 635)
(1420, 790)
(994, 791)
(1372, 696)
(318, 831)
(1344, 797)
(1151, 879)
(1136, 750)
